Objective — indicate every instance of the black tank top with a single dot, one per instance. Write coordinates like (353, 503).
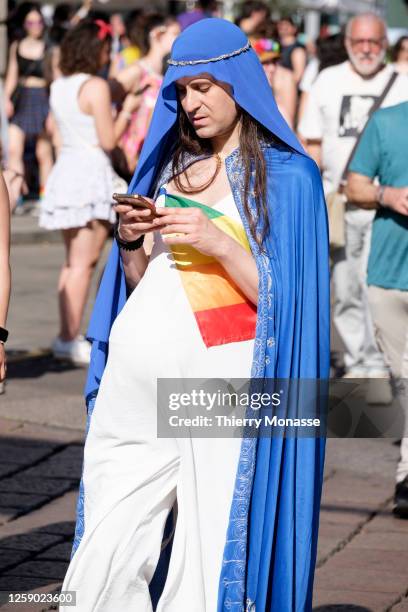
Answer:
(30, 67)
(286, 54)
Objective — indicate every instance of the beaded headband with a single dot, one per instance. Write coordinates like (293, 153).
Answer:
(211, 59)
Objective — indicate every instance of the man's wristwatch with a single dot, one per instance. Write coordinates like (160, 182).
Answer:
(124, 244)
(3, 335)
(380, 195)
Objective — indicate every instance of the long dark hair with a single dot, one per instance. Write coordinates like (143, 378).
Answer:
(16, 18)
(81, 49)
(397, 48)
(252, 134)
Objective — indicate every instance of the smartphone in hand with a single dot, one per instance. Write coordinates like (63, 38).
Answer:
(135, 200)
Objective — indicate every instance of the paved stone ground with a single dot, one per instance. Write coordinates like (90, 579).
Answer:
(40, 468)
(363, 550)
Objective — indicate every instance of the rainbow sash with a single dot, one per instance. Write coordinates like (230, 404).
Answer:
(222, 311)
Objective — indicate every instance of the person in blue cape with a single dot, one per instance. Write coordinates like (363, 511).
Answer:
(236, 286)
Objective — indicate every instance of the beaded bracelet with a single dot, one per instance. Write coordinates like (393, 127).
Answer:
(126, 245)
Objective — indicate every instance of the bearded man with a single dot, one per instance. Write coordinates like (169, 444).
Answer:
(338, 108)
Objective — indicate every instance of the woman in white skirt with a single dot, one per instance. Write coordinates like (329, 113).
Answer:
(78, 194)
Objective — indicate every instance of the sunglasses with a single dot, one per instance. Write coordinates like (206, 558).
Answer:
(33, 22)
(374, 43)
(270, 62)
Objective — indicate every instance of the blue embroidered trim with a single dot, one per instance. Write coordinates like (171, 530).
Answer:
(80, 508)
(233, 571)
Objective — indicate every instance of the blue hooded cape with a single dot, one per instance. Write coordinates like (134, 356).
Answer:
(271, 543)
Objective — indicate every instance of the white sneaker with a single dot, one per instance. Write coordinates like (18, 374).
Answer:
(2, 387)
(77, 351)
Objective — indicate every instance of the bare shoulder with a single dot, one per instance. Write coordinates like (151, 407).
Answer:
(96, 83)
(299, 52)
(95, 86)
(94, 95)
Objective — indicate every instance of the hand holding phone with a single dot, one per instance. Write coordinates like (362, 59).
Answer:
(136, 201)
(136, 215)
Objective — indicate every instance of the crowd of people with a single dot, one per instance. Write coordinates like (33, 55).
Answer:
(84, 86)
(57, 70)
(81, 92)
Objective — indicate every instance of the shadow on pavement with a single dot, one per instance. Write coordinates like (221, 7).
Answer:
(21, 366)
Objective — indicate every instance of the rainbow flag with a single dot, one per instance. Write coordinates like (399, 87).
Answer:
(222, 311)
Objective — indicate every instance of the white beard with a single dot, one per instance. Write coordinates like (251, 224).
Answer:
(367, 69)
